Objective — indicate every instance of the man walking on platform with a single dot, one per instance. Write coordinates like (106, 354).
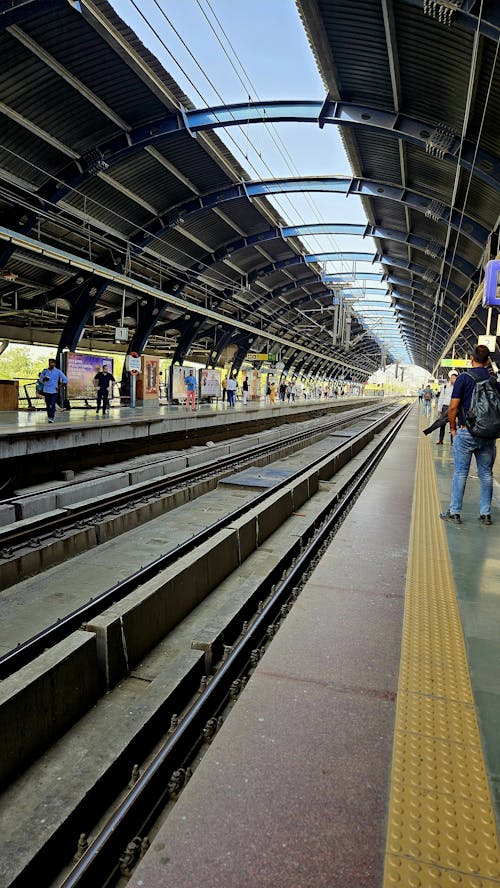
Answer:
(465, 443)
(103, 379)
(52, 379)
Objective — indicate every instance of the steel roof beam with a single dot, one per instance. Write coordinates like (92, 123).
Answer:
(71, 261)
(286, 232)
(418, 132)
(362, 187)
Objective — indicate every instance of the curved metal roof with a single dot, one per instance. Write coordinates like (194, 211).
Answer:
(105, 158)
(90, 186)
(438, 62)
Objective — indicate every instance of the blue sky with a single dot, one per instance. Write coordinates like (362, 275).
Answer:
(273, 61)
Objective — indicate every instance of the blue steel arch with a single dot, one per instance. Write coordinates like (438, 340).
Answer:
(485, 166)
(285, 232)
(308, 259)
(414, 200)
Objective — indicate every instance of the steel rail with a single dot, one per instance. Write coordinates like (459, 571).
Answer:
(140, 808)
(45, 527)
(28, 650)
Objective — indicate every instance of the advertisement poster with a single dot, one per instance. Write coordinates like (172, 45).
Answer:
(210, 382)
(81, 372)
(148, 381)
(253, 384)
(177, 386)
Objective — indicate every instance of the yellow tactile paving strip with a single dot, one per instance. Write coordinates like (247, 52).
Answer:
(441, 823)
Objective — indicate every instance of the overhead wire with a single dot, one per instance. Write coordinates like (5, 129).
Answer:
(225, 279)
(192, 281)
(277, 139)
(465, 123)
(473, 164)
(283, 151)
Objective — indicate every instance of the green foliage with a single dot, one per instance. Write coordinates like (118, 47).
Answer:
(24, 362)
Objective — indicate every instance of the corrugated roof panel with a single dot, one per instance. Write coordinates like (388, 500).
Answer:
(178, 249)
(192, 161)
(244, 215)
(81, 125)
(150, 180)
(30, 164)
(430, 175)
(211, 229)
(356, 35)
(430, 54)
(95, 63)
(100, 201)
(379, 155)
(490, 133)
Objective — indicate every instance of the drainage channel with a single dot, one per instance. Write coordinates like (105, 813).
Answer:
(51, 635)
(119, 844)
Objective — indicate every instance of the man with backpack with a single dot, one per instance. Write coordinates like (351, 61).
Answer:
(474, 417)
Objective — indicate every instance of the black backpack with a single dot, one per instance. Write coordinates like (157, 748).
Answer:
(483, 418)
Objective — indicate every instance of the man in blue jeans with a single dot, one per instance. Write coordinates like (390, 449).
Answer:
(465, 444)
(52, 379)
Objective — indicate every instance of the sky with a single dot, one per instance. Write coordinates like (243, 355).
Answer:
(225, 51)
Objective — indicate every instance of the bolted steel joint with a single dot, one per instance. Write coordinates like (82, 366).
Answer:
(134, 776)
(82, 846)
(174, 723)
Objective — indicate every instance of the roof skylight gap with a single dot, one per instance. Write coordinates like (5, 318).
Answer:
(276, 63)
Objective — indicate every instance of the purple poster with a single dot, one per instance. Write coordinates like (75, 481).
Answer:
(81, 372)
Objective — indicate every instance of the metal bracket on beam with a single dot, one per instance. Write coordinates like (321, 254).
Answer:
(440, 142)
(442, 10)
(324, 111)
(184, 116)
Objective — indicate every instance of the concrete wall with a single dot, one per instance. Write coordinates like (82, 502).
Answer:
(44, 699)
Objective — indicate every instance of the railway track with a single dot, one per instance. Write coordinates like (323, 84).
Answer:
(25, 652)
(30, 546)
(236, 650)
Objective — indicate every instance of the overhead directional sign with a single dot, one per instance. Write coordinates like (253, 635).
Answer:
(455, 362)
(265, 356)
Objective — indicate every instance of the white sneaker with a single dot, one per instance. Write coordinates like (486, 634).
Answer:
(51, 420)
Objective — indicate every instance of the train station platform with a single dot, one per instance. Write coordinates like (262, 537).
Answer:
(363, 751)
(127, 432)
(19, 425)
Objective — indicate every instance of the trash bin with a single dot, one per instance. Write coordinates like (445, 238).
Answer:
(9, 394)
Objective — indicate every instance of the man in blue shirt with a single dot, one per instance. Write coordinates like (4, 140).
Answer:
(465, 444)
(190, 383)
(52, 379)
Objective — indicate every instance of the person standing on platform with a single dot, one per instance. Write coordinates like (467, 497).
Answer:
(442, 404)
(272, 392)
(231, 390)
(51, 379)
(190, 383)
(465, 444)
(224, 388)
(426, 401)
(293, 391)
(103, 380)
(282, 392)
(244, 389)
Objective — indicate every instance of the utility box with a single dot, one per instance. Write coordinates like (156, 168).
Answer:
(9, 394)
